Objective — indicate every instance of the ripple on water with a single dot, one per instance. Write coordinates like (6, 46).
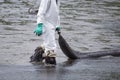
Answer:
(87, 25)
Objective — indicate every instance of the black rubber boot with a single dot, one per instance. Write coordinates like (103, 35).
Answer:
(50, 60)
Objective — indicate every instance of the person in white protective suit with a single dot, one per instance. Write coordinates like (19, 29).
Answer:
(48, 21)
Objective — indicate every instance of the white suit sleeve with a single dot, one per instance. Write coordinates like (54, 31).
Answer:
(42, 11)
(58, 6)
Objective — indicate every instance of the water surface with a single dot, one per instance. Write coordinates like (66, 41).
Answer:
(87, 25)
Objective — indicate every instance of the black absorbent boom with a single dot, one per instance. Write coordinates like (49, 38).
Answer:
(72, 54)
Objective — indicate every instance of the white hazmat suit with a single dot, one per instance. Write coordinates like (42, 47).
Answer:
(48, 14)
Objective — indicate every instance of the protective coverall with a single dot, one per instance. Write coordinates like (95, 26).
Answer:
(48, 14)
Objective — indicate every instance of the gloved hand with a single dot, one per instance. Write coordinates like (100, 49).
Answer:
(58, 28)
(38, 30)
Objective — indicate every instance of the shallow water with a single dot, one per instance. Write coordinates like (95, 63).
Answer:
(87, 25)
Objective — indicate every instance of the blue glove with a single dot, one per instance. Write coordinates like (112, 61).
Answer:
(38, 30)
(58, 28)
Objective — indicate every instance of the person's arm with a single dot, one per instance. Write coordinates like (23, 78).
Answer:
(40, 17)
(58, 23)
(42, 11)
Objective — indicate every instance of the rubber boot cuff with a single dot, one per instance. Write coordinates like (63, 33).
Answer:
(50, 53)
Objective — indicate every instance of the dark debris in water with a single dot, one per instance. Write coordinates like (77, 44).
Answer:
(10, 29)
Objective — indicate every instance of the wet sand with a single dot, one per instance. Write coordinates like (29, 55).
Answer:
(100, 69)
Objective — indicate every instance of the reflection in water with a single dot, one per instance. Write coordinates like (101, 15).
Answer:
(87, 25)
(82, 70)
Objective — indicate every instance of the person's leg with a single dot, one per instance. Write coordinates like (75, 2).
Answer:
(50, 43)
